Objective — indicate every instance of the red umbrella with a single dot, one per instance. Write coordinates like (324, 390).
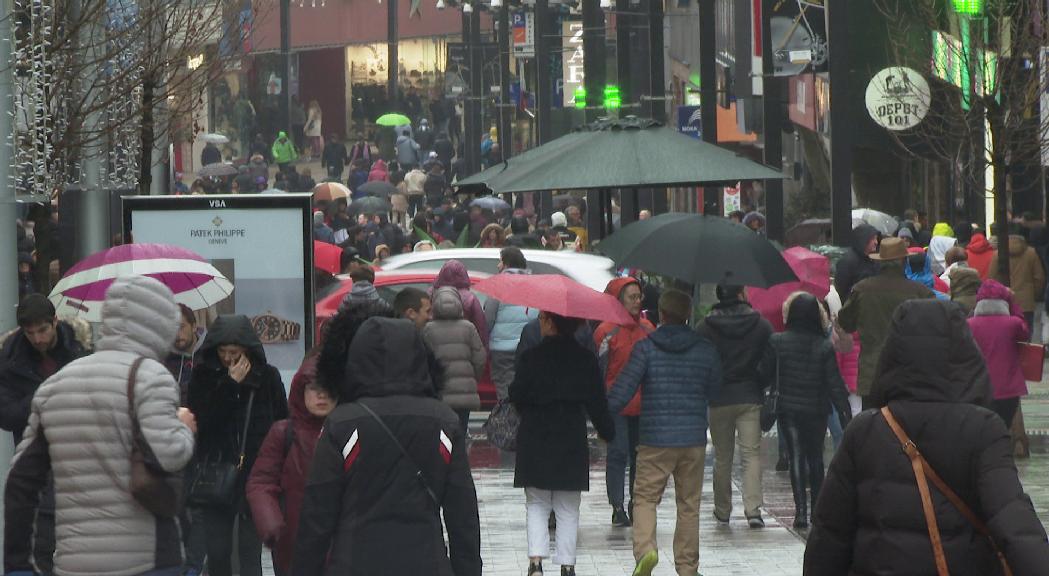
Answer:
(813, 272)
(555, 293)
(326, 257)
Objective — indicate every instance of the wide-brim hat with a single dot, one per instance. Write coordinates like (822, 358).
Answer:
(890, 249)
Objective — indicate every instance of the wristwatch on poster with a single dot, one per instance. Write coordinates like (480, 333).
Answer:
(272, 329)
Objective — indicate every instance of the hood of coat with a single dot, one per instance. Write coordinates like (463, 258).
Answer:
(861, 235)
(991, 307)
(942, 229)
(387, 358)
(232, 329)
(675, 338)
(978, 244)
(993, 290)
(454, 274)
(282, 135)
(930, 356)
(139, 315)
(1017, 245)
(616, 286)
(447, 304)
(732, 320)
(923, 276)
(297, 395)
(379, 166)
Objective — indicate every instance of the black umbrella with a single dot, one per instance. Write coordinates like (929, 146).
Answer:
(377, 188)
(698, 249)
(370, 205)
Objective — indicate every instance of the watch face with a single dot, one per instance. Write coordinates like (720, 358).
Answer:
(267, 327)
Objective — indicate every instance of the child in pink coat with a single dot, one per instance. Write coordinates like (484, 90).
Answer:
(998, 326)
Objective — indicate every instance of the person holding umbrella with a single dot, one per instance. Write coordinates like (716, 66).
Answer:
(556, 387)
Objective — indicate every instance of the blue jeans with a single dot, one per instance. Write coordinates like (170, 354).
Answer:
(836, 431)
(621, 451)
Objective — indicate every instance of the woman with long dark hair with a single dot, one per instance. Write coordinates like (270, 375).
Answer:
(804, 372)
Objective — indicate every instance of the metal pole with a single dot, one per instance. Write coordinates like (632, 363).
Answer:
(543, 91)
(8, 212)
(161, 137)
(774, 227)
(708, 92)
(392, 58)
(841, 131)
(657, 60)
(506, 108)
(285, 66)
(623, 23)
(92, 229)
(593, 59)
(472, 103)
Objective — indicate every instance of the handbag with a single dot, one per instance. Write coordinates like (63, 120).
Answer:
(923, 473)
(771, 404)
(501, 426)
(155, 489)
(1032, 360)
(215, 480)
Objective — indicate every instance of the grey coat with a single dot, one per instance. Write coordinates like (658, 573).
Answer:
(80, 430)
(458, 348)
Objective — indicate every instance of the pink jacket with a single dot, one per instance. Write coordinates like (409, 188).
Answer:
(997, 325)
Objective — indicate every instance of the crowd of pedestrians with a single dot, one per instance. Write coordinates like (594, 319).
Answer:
(367, 455)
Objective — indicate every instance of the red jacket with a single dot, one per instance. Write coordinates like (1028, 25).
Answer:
(980, 253)
(622, 344)
(278, 477)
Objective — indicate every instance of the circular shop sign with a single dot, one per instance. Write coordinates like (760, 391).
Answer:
(898, 98)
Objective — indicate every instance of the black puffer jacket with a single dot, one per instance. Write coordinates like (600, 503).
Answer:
(741, 336)
(365, 511)
(803, 365)
(869, 519)
(855, 265)
(220, 403)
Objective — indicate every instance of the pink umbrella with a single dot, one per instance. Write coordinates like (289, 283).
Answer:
(813, 272)
(555, 293)
(195, 282)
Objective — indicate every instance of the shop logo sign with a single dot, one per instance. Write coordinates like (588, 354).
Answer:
(898, 98)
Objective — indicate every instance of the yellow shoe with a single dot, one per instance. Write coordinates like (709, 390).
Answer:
(646, 563)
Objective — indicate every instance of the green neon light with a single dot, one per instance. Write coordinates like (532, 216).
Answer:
(612, 99)
(580, 97)
(969, 7)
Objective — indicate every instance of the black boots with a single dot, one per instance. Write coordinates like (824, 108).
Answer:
(620, 519)
(535, 568)
(568, 571)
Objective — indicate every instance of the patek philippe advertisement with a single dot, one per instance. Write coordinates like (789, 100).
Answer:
(262, 244)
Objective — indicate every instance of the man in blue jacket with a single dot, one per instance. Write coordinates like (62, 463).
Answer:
(679, 372)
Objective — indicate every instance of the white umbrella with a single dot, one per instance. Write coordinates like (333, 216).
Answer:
(215, 138)
(885, 224)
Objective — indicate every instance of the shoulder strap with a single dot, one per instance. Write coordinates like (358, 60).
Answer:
(418, 471)
(923, 470)
(132, 377)
(244, 434)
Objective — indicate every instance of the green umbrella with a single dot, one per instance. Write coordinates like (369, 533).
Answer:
(393, 120)
(628, 153)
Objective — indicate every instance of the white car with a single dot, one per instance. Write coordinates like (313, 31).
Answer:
(587, 269)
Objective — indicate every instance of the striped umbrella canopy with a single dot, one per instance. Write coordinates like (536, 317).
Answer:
(194, 281)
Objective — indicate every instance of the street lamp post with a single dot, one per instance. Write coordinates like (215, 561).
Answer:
(285, 65)
(841, 131)
(773, 156)
(506, 108)
(392, 57)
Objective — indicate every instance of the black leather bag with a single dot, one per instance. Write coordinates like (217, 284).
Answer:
(215, 479)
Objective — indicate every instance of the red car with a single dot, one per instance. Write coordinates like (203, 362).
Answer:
(388, 284)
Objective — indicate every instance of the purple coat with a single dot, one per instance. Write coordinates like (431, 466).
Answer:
(454, 274)
(997, 325)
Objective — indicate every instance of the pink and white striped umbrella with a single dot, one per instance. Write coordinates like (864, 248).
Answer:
(195, 282)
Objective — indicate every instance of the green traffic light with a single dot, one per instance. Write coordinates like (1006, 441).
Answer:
(580, 97)
(968, 7)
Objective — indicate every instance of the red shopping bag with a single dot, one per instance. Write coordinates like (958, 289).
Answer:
(1032, 357)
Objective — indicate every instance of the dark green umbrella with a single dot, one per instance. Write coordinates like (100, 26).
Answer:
(378, 188)
(370, 205)
(698, 249)
(625, 153)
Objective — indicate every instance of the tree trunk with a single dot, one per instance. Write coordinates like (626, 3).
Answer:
(1001, 193)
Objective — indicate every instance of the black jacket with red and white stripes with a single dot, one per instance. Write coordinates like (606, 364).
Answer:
(365, 510)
